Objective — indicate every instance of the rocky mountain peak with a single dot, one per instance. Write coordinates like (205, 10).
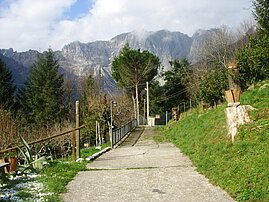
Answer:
(79, 59)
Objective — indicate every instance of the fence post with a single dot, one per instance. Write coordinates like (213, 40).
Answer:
(78, 131)
(73, 145)
(96, 133)
(166, 117)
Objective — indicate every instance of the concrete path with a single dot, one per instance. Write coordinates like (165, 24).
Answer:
(141, 170)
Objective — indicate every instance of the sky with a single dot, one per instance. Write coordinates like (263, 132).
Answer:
(43, 24)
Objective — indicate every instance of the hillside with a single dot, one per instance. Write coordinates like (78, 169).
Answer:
(78, 59)
(240, 168)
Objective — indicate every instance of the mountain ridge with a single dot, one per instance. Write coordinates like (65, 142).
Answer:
(78, 59)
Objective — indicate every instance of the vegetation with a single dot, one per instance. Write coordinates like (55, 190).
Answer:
(212, 86)
(56, 176)
(252, 59)
(95, 107)
(8, 129)
(7, 88)
(240, 168)
(156, 98)
(176, 83)
(42, 99)
(50, 181)
(131, 68)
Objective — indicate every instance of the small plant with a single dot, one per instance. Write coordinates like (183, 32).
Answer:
(31, 163)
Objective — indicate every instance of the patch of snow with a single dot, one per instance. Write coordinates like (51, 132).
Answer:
(27, 182)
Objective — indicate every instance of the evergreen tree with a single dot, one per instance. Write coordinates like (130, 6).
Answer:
(131, 68)
(156, 98)
(42, 98)
(7, 89)
(175, 83)
(261, 15)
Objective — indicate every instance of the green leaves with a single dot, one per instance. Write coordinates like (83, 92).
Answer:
(176, 83)
(7, 89)
(212, 86)
(261, 15)
(253, 61)
(42, 98)
(31, 164)
(133, 67)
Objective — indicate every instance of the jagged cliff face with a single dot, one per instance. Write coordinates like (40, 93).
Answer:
(78, 59)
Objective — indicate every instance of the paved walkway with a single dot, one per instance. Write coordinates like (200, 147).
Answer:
(141, 170)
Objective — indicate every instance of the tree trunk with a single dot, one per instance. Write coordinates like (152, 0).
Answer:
(137, 103)
(134, 106)
(236, 116)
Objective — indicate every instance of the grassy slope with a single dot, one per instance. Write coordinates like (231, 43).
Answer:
(242, 169)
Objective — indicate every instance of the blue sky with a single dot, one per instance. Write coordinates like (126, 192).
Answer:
(79, 9)
(39, 24)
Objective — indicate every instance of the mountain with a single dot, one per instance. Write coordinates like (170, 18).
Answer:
(78, 59)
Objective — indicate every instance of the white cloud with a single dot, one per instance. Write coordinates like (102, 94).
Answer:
(39, 24)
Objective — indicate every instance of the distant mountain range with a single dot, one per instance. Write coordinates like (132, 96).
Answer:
(78, 59)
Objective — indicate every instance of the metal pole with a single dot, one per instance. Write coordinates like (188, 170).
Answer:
(148, 102)
(144, 111)
(77, 132)
(99, 134)
(96, 133)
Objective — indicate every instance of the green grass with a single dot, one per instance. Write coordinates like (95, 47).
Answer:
(159, 136)
(242, 168)
(57, 174)
(86, 152)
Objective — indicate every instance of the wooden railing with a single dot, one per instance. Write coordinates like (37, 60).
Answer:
(74, 157)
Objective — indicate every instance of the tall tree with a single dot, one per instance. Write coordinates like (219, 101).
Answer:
(7, 89)
(42, 98)
(156, 98)
(261, 14)
(252, 60)
(215, 54)
(131, 68)
(176, 83)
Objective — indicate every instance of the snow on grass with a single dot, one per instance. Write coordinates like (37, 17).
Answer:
(23, 188)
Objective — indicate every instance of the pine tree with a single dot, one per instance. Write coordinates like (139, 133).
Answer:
(42, 98)
(261, 15)
(7, 89)
(131, 68)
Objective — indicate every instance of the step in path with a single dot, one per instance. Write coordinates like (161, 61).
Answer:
(142, 170)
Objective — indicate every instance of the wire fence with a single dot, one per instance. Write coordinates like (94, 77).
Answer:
(119, 133)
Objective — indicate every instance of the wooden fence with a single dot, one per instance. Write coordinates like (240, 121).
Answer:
(75, 141)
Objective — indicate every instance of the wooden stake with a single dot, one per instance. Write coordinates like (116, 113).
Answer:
(77, 132)
(73, 145)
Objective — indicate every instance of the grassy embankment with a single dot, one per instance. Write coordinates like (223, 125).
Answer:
(242, 168)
